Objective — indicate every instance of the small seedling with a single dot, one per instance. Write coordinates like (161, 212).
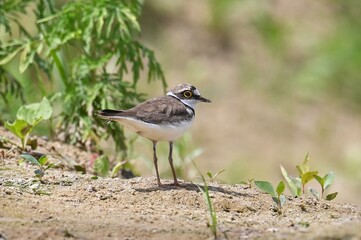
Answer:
(27, 117)
(248, 183)
(325, 182)
(42, 163)
(297, 185)
(211, 177)
(277, 196)
(207, 198)
(304, 172)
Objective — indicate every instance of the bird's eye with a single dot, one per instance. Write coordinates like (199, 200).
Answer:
(187, 94)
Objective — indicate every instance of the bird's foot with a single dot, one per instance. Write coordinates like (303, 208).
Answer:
(176, 183)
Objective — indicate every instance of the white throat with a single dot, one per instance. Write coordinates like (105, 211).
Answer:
(192, 103)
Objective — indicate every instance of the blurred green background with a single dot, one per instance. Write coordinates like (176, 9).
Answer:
(284, 78)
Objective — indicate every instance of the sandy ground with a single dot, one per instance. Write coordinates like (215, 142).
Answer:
(71, 205)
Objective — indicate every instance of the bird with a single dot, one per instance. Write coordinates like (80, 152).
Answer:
(164, 118)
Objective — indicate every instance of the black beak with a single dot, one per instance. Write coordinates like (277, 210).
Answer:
(202, 99)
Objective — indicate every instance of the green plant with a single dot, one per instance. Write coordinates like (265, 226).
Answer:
(87, 52)
(277, 196)
(293, 183)
(248, 183)
(207, 198)
(325, 182)
(43, 164)
(212, 177)
(297, 185)
(27, 118)
(101, 166)
(304, 172)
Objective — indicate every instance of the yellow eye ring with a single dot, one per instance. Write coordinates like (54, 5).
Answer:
(187, 94)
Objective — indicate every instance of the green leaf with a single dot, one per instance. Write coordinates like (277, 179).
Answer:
(116, 169)
(219, 173)
(280, 188)
(328, 180)
(20, 128)
(266, 187)
(319, 180)
(305, 166)
(276, 200)
(209, 174)
(43, 160)
(35, 112)
(24, 59)
(293, 183)
(315, 193)
(101, 166)
(331, 196)
(10, 56)
(298, 184)
(30, 159)
(308, 176)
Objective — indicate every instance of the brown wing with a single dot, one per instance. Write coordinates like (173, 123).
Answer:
(160, 110)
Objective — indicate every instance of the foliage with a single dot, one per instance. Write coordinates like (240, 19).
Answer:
(212, 177)
(297, 185)
(277, 196)
(207, 198)
(9, 85)
(42, 163)
(248, 183)
(101, 166)
(87, 52)
(304, 172)
(325, 182)
(293, 183)
(27, 118)
(336, 57)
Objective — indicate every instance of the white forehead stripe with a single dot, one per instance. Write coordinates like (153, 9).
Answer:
(171, 94)
(197, 92)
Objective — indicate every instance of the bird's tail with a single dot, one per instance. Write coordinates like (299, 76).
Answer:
(109, 114)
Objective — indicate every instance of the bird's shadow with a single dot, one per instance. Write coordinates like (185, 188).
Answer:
(191, 187)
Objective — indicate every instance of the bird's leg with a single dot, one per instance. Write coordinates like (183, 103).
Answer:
(155, 159)
(170, 158)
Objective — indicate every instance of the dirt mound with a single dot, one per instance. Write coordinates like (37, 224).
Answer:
(73, 205)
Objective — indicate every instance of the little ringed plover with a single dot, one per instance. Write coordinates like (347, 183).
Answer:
(163, 118)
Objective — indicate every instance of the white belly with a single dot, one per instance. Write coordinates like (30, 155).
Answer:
(155, 132)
